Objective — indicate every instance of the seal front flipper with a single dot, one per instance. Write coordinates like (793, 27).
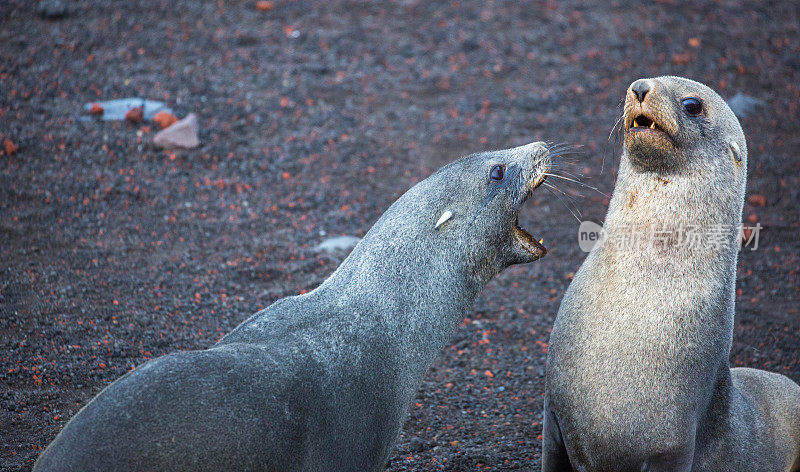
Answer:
(554, 453)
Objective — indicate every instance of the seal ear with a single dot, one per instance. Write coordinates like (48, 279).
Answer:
(735, 151)
(443, 219)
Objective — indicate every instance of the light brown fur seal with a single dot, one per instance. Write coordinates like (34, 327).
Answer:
(638, 375)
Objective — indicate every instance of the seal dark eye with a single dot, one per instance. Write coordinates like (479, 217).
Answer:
(497, 173)
(692, 105)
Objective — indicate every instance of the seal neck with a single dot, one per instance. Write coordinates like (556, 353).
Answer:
(671, 251)
(699, 201)
(410, 292)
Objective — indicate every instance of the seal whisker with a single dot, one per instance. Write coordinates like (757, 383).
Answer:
(563, 149)
(563, 156)
(616, 124)
(551, 189)
(563, 202)
(616, 131)
(574, 175)
(559, 190)
(569, 168)
(570, 164)
(566, 161)
(578, 182)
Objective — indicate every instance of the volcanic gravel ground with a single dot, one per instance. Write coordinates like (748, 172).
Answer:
(314, 117)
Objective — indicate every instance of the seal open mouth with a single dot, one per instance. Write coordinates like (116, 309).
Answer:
(529, 242)
(643, 122)
(646, 129)
(525, 239)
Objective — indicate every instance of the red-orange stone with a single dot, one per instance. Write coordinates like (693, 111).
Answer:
(9, 146)
(264, 5)
(135, 115)
(164, 119)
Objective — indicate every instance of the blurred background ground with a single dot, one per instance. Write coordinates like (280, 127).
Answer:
(314, 117)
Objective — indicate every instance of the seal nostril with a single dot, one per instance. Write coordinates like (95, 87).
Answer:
(640, 89)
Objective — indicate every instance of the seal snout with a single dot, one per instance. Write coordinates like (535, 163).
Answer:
(641, 116)
(535, 157)
(647, 123)
(538, 157)
(539, 174)
(640, 88)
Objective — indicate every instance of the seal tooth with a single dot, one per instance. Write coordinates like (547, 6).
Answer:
(653, 125)
(541, 240)
(635, 124)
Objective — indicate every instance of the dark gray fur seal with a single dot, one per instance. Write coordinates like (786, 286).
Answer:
(321, 382)
(638, 375)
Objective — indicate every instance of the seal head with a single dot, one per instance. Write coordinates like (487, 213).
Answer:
(469, 208)
(669, 121)
(511, 176)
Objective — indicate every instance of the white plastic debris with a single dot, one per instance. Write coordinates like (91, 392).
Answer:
(116, 109)
(338, 243)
